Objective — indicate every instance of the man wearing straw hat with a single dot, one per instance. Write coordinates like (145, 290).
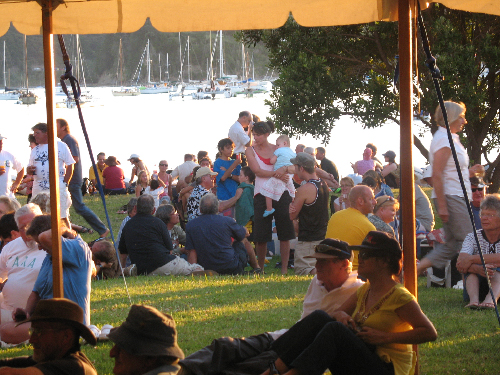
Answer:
(146, 343)
(56, 327)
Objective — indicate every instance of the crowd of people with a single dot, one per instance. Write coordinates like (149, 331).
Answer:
(208, 218)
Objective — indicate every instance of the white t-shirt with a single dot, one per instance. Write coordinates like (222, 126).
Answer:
(450, 176)
(12, 168)
(239, 137)
(184, 170)
(155, 194)
(40, 159)
(20, 264)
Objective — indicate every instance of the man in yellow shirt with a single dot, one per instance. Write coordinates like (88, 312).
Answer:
(101, 166)
(351, 225)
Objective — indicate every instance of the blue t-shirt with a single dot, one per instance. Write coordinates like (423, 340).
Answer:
(77, 271)
(284, 155)
(227, 189)
(210, 236)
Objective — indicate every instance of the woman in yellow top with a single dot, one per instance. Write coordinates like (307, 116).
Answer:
(371, 333)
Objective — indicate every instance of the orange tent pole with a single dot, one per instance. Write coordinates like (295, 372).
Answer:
(48, 53)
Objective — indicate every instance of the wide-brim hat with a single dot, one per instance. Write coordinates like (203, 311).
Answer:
(111, 160)
(62, 310)
(379, 241)
(147, 331)
(134, 156)
(331, 248)
(478, 181)
(203, 171)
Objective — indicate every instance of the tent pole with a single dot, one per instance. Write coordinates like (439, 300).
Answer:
(48, 61)
(405, 10)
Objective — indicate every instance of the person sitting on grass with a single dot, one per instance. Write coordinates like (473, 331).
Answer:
(384, 213)
(146, 241)
(168, 214)
(274, 187)
(209, 240)
(56, 327)
(142, 183)
(332, 285)
(469, 262)
(105, 259)
(371, 333)
(76, 272)
(146, 343)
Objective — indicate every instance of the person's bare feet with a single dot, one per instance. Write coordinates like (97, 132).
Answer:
(105, 234)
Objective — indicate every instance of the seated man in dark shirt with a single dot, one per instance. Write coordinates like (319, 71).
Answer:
(146, 241)
(56, 327)
(209, 236)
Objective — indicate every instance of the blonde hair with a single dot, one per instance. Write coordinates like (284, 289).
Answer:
(453, 110)
(347, 180)
(139, 182)
(285, 138)
(384, 201)
(12, 204)
(43, 201)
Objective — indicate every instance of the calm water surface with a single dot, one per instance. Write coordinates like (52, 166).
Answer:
(156, 128)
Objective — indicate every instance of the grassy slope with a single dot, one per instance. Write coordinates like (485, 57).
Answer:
(206, 308)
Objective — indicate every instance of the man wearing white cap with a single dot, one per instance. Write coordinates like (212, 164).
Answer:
(8, 164)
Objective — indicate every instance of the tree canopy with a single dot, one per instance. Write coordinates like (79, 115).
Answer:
(326, 72)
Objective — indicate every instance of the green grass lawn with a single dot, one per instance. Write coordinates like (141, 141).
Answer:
(207, 308)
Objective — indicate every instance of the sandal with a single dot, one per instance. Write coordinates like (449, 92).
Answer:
(486, 306)
(85, 230)
(472, 306)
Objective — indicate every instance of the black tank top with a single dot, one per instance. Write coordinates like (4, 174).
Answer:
(313, 217)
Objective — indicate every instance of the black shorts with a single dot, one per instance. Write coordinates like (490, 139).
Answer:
(262, 226)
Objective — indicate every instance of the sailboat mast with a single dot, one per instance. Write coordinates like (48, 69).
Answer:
(26, 63)
(189, 65)
(121, 63)
(221, 57)
(159, 64)
(149, 63)
(168, 74)
(4, 77)
(243, 62)
(180, 56)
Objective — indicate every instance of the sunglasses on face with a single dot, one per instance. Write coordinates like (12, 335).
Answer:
(363, 255)
(477, 189)
(163, 165)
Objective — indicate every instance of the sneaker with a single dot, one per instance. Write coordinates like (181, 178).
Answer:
(267, 213)
(103, 336)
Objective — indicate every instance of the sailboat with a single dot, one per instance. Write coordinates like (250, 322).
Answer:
(153, 87)
(27, 96)
(7, 95)
(124, 91)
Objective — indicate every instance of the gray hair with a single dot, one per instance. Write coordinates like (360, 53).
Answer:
(145, 204)
(163, 213)
(310, 151)
(43, 201)
(491, 202)
(27, 209)
(12, 204)
(209, 205)
(131, 204)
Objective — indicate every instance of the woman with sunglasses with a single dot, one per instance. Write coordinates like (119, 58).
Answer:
(448, 194)
(384, 213)
(371, 333)
(167, 180)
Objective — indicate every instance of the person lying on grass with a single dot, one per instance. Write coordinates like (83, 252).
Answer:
(333, 284)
